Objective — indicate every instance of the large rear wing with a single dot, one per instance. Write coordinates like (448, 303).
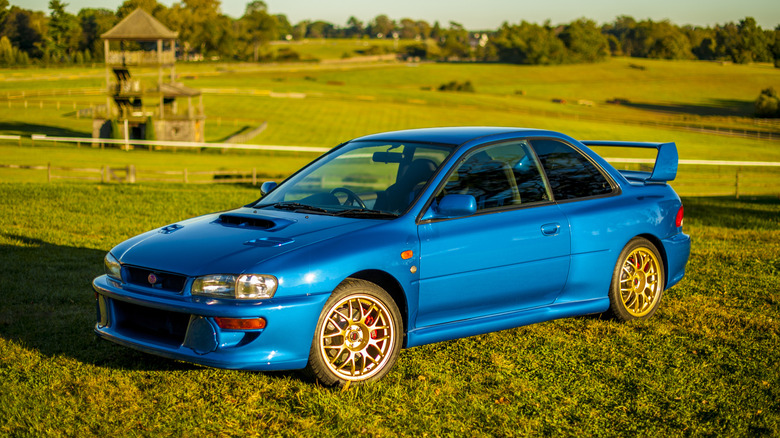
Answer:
(665, 168)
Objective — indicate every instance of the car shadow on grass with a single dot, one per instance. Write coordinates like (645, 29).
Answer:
(753, 212)
(47, 304)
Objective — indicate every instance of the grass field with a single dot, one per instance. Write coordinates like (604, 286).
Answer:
(705, 365)
(323, 104)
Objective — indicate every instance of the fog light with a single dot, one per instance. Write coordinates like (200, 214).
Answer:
(240, 323)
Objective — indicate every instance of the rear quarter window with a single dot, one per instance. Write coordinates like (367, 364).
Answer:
(570, 173)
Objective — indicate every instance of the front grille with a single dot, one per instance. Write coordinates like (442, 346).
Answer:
(162, 280)
(148, 323)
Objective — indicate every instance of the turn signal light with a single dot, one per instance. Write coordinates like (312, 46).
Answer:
(679, 219)
(240, 323)
(406, 255)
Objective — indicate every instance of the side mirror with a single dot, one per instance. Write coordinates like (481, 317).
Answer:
(452, 206)
(267, 187)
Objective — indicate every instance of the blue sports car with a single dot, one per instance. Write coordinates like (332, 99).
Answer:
(396, 240)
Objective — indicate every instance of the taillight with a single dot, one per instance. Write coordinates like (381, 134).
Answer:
(678, 221)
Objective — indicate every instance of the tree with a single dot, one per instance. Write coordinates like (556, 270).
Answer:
(150, 6)
(258, 26)
(319, 29)
(25, 30)
(702, 42)
(768, 103)
(454, 43)
(7, 52)
(355, 28)
(409, 29)
(198, 23)
(93, 23)
(528, 43)
(64, 30)
(751, 44)
(382, 26)
(436, 31)
(3, 12)
(424, 29)
(283, 26)
(584, 41)
(621, 31)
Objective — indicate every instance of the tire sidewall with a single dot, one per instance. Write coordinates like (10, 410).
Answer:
(616, 307)
(318, 366)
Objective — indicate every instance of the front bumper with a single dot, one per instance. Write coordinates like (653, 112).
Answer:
(183, 327)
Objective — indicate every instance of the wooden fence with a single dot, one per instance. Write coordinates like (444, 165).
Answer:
(700, 179)
(695, 177)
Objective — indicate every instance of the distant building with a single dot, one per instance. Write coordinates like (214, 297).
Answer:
(136, 110)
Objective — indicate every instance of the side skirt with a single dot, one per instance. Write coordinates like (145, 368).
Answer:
(488, 324)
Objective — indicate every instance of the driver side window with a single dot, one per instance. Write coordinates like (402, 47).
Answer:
(497, 176)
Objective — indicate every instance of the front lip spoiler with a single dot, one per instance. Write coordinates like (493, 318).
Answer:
(210, 360)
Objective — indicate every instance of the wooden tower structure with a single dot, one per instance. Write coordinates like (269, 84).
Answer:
(139, 110)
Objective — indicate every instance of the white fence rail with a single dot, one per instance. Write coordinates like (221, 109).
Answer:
(176, 144)
(695, 177)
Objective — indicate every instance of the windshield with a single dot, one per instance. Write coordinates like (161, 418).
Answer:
(367, 179)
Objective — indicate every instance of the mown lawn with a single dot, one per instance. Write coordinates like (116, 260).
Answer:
(705, 365)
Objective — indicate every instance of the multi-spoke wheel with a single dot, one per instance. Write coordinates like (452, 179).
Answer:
(637, 282)
(358, 335)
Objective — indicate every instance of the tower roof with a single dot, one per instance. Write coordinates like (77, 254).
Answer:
(140, 26)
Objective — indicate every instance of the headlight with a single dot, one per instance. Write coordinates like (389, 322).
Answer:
(245, 287)
(113, 268)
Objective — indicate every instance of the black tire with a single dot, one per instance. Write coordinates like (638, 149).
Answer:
(358, 336)
(637, 281)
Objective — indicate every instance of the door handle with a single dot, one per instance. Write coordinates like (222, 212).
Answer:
(550, 229)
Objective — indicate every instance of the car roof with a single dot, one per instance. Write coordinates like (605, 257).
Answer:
(453, 135)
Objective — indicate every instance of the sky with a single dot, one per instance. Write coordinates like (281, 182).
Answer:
(488, 14)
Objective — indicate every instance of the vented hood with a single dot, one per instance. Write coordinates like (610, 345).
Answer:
(231, 242)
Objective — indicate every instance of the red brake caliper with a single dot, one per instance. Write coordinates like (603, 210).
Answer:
(369, 321)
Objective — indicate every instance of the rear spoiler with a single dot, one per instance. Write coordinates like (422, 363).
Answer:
(665, 168)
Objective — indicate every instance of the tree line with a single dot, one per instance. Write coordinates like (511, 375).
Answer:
(34, 37)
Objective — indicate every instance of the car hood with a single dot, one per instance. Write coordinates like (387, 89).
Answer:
(231, 242)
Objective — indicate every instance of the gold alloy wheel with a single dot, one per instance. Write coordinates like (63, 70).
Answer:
(639, 282)
(357, 337)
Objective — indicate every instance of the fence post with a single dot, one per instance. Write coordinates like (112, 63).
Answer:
(254, 176)
(103, 174)
(48, 172)
(185, 175)
(736, 184)
(131, 173)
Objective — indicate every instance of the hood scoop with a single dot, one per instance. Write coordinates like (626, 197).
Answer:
(252, 222)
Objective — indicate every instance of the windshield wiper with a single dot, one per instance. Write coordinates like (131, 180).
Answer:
(295, 206)
(366, 212)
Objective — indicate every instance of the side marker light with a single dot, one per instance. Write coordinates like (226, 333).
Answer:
(241, 323)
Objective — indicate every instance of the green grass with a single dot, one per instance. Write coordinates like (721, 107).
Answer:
(703, 365)
(342, 101)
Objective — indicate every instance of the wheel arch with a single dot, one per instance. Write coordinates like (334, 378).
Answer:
(659, 246)
(391, 286)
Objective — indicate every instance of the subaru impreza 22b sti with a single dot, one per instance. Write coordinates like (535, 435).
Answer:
(400, 239)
